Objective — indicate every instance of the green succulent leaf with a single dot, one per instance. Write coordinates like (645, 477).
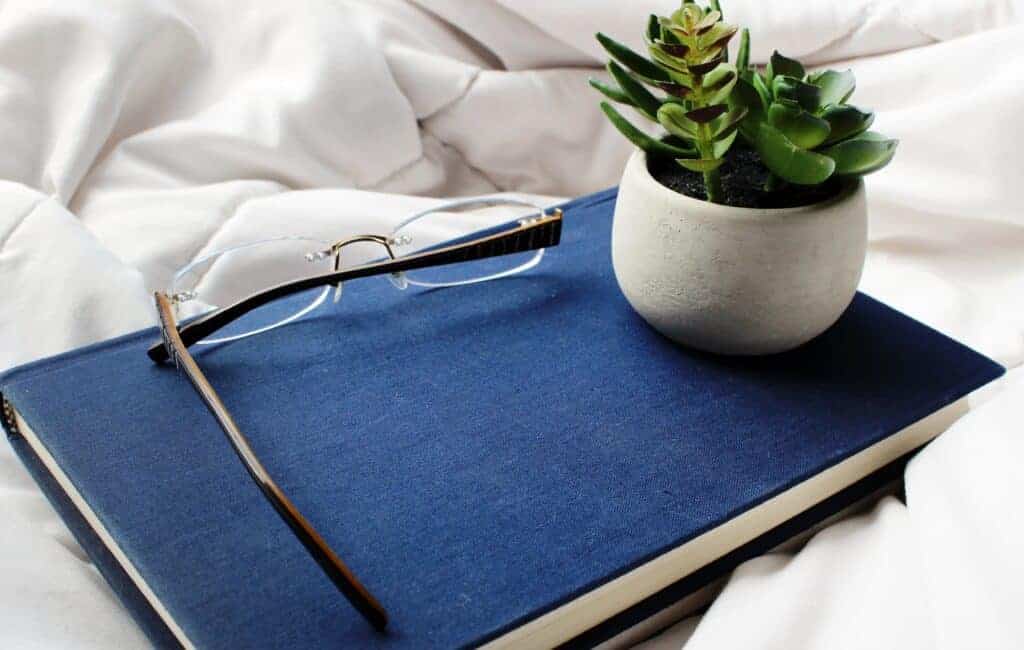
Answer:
(722, 96)
(642, 98)
(719, 78)
(666, 60)
(706, 67)
(627, 57)
(718, 35)
(687, 16)
(783, 87)
(678, 50)
(836, 87)
(866, 153)
(667, 35)
(721, 147)
(744, 95)
(681, 78)
(708, 21)
(653, 28)
(801, 128)
(788, 161)
(678, 32)
(673, 118)
(727, 124)
(718, 52)
(676, 90)
(641, 139)
(611, 92)
(805, 94)
(779, 65)
(721, 16)
(718, 84)
(700, 164)
(705, 114)
(761, 86)
(676, 17)
(743, 53)
(846, 121)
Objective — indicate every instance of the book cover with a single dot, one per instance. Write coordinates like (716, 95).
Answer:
(513, 457)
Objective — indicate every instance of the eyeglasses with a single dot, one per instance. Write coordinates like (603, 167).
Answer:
(434, 264)
(224, 276)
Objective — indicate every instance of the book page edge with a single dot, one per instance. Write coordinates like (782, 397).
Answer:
(697, 600)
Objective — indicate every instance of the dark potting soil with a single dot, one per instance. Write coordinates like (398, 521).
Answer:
(743, 178)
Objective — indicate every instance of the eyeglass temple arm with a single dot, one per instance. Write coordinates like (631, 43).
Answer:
(543, 232)
(335, 569)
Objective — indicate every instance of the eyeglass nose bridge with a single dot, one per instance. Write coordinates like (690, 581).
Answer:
(397, 279)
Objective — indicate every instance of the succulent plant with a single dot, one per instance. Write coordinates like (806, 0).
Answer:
(689, 64)
(800, 124)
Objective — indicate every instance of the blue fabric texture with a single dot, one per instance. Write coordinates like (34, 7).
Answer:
(478, 455)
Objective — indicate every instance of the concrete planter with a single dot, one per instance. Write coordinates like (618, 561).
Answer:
(735, 280)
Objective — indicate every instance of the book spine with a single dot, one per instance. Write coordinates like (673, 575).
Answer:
(10, 423)
(120, 582)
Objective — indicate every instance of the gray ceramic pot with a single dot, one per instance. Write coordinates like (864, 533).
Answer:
(735, 280)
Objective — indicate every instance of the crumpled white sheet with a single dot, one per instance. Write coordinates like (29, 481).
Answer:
(136, 135)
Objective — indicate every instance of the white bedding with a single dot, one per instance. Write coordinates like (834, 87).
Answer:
(136, 135)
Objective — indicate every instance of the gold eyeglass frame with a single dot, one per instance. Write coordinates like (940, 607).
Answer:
(534, 234)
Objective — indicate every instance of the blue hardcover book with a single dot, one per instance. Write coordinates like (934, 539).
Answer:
(521, 463)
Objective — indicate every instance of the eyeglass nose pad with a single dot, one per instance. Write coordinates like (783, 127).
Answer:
(337, 292)
(399, 280)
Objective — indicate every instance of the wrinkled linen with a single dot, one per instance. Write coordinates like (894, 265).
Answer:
(136, 136)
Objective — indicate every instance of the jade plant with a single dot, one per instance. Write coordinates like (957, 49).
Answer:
(689, 65)
(800, 124)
